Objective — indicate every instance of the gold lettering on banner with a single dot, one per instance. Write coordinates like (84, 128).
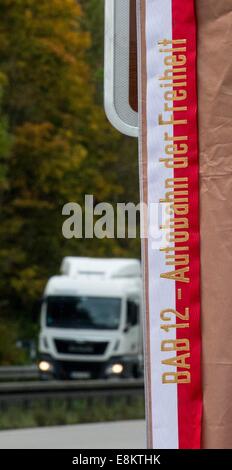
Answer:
(176, 378)
(180, 347)
(173, 81)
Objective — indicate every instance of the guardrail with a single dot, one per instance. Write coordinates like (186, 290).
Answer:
(27, 391)
(19, 373)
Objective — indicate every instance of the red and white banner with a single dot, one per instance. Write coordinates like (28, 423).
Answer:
(169, 179)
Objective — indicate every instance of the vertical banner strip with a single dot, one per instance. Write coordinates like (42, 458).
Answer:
(169, 185)
(189, 395)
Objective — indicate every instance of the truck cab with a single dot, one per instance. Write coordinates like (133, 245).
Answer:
(91, 321)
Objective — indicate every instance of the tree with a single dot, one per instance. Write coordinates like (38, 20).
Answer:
(4, 140)
(124, 165)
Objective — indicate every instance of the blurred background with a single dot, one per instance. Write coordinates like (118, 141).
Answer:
(55, 146)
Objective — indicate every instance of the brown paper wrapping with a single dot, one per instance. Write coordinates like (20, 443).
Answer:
(215, 130)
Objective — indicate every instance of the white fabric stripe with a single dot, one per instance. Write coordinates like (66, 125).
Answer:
(161, 292)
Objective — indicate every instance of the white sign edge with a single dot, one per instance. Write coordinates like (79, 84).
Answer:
(110, 109)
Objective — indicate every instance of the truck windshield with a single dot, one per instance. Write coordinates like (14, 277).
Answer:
(83, 312)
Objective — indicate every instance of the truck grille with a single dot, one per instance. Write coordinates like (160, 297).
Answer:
(80, 348)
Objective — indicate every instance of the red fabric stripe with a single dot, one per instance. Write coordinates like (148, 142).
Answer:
(189, 395)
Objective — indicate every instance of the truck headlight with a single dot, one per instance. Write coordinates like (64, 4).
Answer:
(45, 366)
(117, 369)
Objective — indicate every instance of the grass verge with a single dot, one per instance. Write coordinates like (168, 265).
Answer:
(55, 412)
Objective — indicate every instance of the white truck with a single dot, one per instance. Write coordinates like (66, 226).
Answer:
(91, 320)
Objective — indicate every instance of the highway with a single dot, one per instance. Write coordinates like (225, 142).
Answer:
(124, 435)
(118, 435)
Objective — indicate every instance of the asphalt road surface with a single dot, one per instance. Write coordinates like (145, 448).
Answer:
(118, 435)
